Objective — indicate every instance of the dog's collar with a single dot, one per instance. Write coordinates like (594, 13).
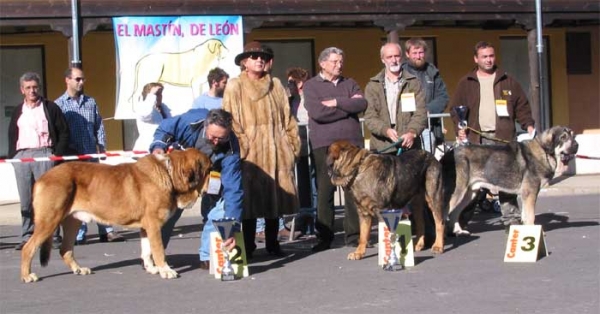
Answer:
(169, 167)
(548, 154)
(355, 172)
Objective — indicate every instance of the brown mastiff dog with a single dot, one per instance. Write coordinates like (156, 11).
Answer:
(520, 168)
(136, 195)
(379, 182)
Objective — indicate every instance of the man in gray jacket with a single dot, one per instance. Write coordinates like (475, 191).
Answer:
(396, 111)
(436, 96)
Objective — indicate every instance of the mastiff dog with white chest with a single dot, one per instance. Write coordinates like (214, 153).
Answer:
(521, 168)
(378, 182)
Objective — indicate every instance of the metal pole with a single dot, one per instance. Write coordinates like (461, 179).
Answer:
(540, 50)
(76, 62)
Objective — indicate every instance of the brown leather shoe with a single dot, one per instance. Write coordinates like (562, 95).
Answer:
(205, 265)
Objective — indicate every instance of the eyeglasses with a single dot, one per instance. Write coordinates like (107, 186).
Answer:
(263, 57)
(79, 79)
(219, 139)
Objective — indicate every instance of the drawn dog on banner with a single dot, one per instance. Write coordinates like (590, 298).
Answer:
(521, 168)
(182, 69)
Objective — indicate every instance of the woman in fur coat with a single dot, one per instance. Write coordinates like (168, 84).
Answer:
(269, 145)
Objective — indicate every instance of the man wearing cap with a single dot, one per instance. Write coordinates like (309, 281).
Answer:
(269, 145)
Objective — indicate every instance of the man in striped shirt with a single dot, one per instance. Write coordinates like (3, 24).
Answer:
(87, 135)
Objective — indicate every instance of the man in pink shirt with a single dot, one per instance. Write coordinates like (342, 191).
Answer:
(37, 129)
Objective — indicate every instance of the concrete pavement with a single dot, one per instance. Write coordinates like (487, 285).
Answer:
(581, 184)
(470, 277)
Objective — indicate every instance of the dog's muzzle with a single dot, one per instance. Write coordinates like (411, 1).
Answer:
(566, 156)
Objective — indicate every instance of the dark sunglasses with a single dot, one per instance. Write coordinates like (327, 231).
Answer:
(263, 57)
(78, 79)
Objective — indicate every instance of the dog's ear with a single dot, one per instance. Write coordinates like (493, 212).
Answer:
(548, 138)
(335, 150)
(190, 169)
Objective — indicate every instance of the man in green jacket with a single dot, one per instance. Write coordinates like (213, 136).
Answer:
(396, 111)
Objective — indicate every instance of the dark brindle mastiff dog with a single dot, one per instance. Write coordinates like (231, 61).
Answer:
(518, 168)
(379, 182)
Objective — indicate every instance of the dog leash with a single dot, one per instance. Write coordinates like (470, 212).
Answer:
(398, 152)
(488, 137)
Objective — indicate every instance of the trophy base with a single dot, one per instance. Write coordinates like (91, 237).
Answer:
(390, 267)
(228, 276)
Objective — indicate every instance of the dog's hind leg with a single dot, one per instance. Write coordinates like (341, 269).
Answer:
(42, 236)
(70, 227)
(456, 207)
(418, 209)
(434, 197)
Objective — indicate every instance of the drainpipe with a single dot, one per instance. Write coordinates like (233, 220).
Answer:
(76, 61)
(544, 124)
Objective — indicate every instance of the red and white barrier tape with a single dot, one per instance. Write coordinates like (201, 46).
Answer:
(76, 157)
(587, 157)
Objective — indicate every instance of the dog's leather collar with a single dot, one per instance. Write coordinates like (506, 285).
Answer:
(355, 172)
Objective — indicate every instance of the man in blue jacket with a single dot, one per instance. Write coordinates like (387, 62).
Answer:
(210, 132)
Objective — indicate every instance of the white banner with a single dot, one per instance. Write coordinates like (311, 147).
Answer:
(177, 51)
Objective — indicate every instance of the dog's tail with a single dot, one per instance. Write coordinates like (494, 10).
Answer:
(45, 250)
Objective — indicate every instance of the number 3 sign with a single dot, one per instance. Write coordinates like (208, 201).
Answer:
(525, 244)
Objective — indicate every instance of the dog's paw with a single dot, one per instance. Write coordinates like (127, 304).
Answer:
(82, 271)
(355, 256)
(151, 269)
(167, 273)
(437, 249)
(30, 278)
(420, 244)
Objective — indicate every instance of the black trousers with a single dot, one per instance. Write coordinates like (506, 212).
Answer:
(325, 209)
(271, 233)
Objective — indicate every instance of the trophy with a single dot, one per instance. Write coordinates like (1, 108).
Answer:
(225, 228)
(391, 218)
(461, 112)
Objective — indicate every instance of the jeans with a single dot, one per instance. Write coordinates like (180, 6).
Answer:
(260, 224)
(102, 230)
(217, 212)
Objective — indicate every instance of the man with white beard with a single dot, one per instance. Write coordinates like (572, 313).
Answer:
(396, 112)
